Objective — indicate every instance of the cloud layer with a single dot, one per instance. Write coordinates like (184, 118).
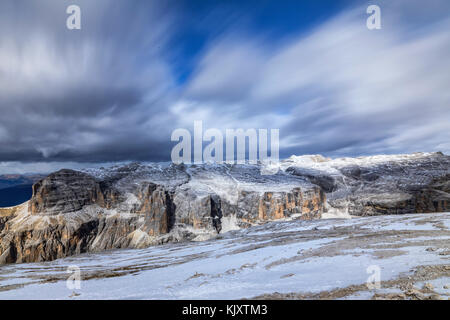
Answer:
(112, 92)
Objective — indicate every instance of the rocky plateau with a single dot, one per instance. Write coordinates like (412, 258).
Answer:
(140, 205)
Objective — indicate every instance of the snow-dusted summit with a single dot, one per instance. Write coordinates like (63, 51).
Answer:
(137, 205)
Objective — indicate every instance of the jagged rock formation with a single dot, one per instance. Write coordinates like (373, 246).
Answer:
(65, 191)
(381, 184)
(32, 238)
(138, 205)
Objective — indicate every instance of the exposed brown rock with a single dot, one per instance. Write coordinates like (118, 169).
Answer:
(43, 239)
(65, 191)
(159, 212)
(72, 212)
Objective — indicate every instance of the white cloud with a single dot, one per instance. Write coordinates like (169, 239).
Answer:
(345, 89)
(109, 95)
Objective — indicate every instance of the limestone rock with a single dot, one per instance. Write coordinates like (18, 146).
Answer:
(72, 212)
(64, 191)
(137, 205)
(397, 184)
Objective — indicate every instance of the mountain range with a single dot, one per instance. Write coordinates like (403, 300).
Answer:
(140, 205)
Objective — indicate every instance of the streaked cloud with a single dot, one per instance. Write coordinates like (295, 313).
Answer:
(111, 91)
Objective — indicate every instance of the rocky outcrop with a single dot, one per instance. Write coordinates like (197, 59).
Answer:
(398, 184)
(65, 191)
(72, 212)
(137, 205)
(43, 239)
(159, 212)
(253, 207)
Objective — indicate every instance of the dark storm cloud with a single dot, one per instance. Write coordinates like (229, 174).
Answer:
(111, 92)
(94, 94)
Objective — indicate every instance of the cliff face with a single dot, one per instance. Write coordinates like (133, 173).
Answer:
(65, 191)
(136, 205)
(416, 183)
(32, 239)
(72, 212)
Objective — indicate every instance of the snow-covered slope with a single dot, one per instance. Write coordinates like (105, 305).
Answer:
(292, 259)
(137, 205)
(384, 184)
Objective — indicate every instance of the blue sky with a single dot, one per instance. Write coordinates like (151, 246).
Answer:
(203, 21)
(137, 70)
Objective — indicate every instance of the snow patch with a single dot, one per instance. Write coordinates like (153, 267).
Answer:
(229, 223)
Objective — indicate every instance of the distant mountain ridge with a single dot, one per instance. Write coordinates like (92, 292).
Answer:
(11, 180)
(16, 188)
